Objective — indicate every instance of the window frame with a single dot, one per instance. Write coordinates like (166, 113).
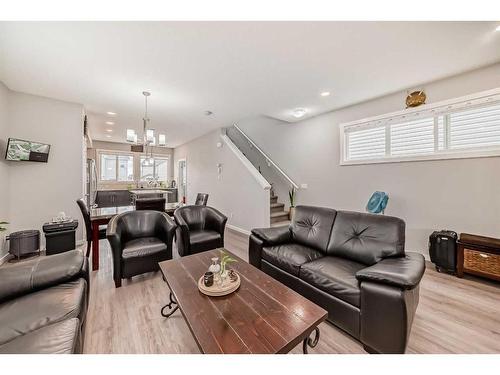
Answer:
(116, 153)
(442, 108)
(166, 158)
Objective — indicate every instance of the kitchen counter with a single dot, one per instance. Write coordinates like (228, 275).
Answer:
(125, 197)
(150, 191)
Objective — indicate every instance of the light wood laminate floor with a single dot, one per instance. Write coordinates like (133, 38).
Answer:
(454, 315)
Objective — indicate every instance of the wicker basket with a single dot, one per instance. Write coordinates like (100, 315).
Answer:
(485, 263)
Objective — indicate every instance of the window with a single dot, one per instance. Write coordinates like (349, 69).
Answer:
(116, 167)
(478, 127)
(158, 169)
(465, 127)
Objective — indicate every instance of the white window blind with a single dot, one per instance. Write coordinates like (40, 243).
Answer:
(479, 127)
(464, 127)
(369, 143)
(413, 137)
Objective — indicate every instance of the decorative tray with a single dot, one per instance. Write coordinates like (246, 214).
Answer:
(217, 290)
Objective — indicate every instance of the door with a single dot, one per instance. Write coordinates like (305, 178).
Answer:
(182, 180)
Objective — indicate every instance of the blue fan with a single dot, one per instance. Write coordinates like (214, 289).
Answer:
(377, 202)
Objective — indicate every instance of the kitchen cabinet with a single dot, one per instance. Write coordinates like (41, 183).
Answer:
(113, 198)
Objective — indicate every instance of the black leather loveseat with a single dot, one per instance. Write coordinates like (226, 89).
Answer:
(43, 304)
(352, 264)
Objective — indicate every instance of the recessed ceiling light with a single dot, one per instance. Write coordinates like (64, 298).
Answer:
(111, 113)
(109, 130)
(109, 123)
(325, 93)
(498, 28)
(299, 112)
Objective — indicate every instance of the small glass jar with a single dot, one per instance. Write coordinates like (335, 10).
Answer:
(215, 266)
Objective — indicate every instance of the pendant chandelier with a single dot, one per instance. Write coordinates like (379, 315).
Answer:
(148, 135)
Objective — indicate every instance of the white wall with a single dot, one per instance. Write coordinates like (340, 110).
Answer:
(38, 191)
(462, 195)
(4, 169)
(237, 194)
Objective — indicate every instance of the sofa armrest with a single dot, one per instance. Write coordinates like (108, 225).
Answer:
(215, 220)
(41, 273)
(182, 235)
(165, 230)
(115, 234)
(273, 236)
(403, 272)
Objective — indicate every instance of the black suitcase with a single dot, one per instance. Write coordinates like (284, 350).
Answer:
(443, 250)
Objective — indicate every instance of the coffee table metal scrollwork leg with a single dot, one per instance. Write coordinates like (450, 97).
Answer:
(311, 342)
(170, 306)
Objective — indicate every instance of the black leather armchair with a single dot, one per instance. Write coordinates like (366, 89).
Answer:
(352, 264)
(43, 304)
(199, 228)
(139, 241)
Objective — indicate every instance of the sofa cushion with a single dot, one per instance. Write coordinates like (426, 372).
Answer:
(289, 257)
(335, 276)
(202, 240)
(144, 246)
(58, 338)
(366, 238)
(39, 309)
(311, 226)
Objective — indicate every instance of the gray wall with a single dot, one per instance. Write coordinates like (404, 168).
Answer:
(4, 169)
(236, 192)
(38, 191)
(462, 195)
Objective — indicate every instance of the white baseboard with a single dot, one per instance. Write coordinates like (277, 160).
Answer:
(238, 229)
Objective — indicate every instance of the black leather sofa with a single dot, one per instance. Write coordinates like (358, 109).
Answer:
(352, 264)
(139, 241)
(199, 228)
(43, 304)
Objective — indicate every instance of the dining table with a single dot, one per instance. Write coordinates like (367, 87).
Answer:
(102, 215)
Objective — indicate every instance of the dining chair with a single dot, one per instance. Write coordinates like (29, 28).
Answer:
(201, 199)
(155, 204)
(88, 225)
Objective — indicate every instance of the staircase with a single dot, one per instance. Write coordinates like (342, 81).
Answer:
(268, 171)
(279, 217)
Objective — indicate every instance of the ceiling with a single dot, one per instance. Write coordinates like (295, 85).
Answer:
(234, 69)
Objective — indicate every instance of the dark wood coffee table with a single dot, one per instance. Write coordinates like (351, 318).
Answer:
(262, 316)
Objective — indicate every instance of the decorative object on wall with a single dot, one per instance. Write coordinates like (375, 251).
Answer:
(291, 196)
(2, 228)
(377, 202)
(219, 171)
(415, 98)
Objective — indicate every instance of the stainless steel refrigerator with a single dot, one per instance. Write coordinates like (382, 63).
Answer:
(91, 186)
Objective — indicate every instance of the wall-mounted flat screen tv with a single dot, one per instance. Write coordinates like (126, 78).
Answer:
(21, 150)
